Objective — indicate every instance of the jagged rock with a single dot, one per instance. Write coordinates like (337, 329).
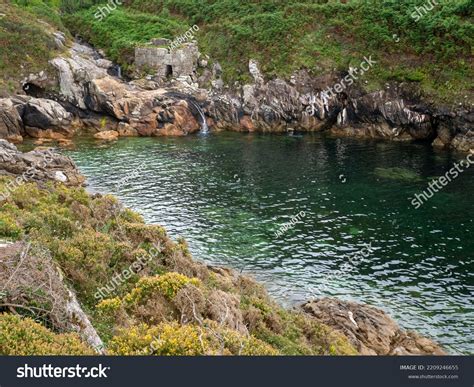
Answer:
(370, 330)
(217, 84)
(125, 130)
(92, 122)
(464, 142)
(11, 126)
(216, 70)
(44, 114)
(247, 124)
(386, 114)
(255, 72)
(75, 72)
(397, 112)
(183, 118)
(39, 165)
(59, 39)
(275, 105)
(36, 84)
(142, 110)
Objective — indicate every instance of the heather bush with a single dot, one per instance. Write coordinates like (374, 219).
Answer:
(25, 337)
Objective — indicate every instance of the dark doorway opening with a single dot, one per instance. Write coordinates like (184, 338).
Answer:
(33, 90)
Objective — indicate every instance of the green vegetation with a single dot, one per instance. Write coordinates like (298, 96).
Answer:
(176, 305)
(122, 30)
(284, 36)
(434, 51)
(45, 10)
(172, 339)
(25, 337)
(26, 40)
(167, 284)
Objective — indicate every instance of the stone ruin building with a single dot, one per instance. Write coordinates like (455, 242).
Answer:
(167, 63)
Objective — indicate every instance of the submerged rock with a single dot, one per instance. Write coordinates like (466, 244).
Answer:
(107, 135)
(370, 330)
(397, 173)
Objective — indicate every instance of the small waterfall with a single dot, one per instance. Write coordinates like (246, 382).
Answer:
(204, 127)
(195, 105)
(119, 71)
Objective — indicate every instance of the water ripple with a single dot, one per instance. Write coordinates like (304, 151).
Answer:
(228, 194)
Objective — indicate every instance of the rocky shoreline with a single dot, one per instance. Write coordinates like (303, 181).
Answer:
(366, 329)
(83, 94)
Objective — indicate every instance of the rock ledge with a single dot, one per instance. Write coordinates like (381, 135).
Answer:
(370, 330)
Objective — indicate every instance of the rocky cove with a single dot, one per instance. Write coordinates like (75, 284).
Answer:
(60, 236)
(82, 94)
(79, 93)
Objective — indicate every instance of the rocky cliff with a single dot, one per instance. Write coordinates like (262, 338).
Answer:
(82, 93)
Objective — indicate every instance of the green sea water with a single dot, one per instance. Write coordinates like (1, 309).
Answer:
(228, 194)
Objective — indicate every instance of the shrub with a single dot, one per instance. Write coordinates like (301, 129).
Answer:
(167, 284)
(143, 233)
(25, 337)
(164, 339)
(8, 227)
(172, 339)
(62, 220)
(110, 305)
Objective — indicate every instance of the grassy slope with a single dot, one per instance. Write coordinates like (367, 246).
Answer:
(317, 35)
(122, 30)
(92, 239)
(26, 43)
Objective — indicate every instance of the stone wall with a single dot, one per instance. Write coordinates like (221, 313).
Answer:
(180, 62)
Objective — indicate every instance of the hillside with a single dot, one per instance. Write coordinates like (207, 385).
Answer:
(433, 50)
(27, 40)
(106, 281)
(80, 272)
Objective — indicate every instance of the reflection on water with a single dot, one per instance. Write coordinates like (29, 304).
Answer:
(228, 194)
